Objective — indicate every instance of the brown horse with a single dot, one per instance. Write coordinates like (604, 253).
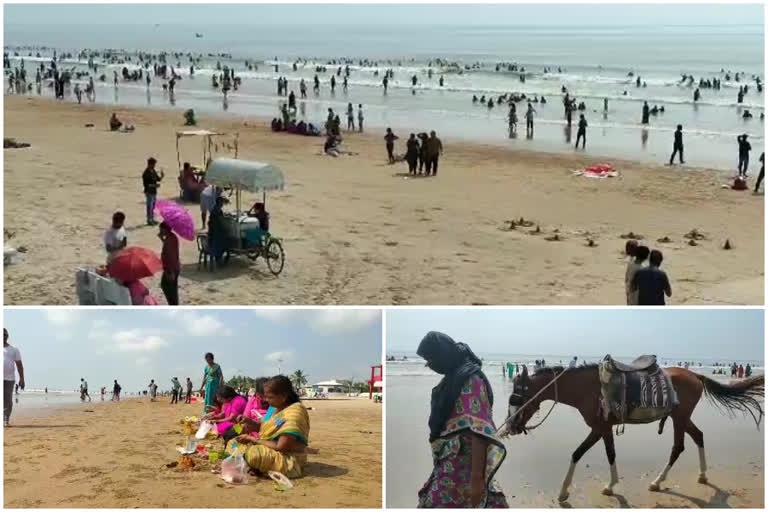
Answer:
(580, 388)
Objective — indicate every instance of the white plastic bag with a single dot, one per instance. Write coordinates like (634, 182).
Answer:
(234, 469)
(205, 427)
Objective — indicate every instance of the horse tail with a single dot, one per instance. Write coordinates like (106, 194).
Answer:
(743, 396)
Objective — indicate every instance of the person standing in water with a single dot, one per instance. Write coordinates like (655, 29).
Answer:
(11, 364)
(581, 134)
(350, 117)
(677, 146)
(529, 120)
(390, 139)
(385, 83)
(461, 417)
(360, 117)
(646, 113)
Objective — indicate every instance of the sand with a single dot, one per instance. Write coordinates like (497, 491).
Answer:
(535, 465)
(114, 456)
(357, 231)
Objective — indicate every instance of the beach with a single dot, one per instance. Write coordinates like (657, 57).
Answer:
(357, 231)
(114, 455)
(451, 65)
(536, 464)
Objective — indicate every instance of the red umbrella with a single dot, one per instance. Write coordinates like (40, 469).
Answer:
(134, 263)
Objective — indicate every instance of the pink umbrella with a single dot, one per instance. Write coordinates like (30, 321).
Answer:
(177, 217)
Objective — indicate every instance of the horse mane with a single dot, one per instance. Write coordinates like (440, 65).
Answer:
(557, 370)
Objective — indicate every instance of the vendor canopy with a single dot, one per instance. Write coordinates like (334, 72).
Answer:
(244, 174)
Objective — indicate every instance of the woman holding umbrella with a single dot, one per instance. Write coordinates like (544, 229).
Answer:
(176, 220)
(169, 282)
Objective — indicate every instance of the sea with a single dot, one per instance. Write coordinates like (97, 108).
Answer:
(536, 463)
(592, 63)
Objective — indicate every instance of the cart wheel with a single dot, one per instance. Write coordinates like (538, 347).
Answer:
(275, 256)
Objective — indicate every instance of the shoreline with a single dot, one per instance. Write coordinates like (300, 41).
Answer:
(397, 240)
(116, 454)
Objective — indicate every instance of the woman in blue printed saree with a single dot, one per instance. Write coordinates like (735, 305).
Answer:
(212, 379)
(465, 451)
(283, 432)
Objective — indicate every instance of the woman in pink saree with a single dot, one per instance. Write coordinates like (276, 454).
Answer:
(232, 406)
(466, 453)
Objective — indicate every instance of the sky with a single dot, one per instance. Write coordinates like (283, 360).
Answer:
(387, 14)
(59, 346)
(728, 334)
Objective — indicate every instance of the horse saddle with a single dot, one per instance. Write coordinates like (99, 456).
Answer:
(639, 392)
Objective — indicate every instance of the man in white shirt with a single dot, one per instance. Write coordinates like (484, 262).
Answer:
(114, 237)
(152, 390)
(11, 363)
(84, 390)
(572, 364)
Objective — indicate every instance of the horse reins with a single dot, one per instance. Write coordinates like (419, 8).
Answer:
(554, 381)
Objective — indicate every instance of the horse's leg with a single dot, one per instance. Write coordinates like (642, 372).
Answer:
(677, 449)
(698, 438)
(588, 443)
(610, 451)
(661, 424)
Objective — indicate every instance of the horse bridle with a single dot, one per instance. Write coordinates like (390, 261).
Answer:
(519, 398)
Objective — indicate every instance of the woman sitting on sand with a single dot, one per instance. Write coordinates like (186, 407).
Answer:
(232, 406)
(283, 432)
(255, 410)
(465, 451)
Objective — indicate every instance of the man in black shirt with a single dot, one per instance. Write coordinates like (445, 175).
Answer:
(678, 146)
(151, 181)
(744, 148)
(651, 282)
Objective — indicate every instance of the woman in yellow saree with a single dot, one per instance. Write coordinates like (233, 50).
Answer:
(283, 432)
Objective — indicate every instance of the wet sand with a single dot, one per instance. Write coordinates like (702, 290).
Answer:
(114, 455)
(535, 465)
(357, 231)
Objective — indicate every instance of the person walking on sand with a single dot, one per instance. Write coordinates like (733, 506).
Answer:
(360, 117)
(84, 390)
(744, 148)
(761, 175)
(176, 391)
(390, 139)
(169, 281)
(433, 152)
(116, 388)
(461, 478)
(638, 255)
(11, 364)
(213, 377)
(152, 390)
(677, 146)
(529, 120)
(412, 154)
(652, 283)
(581, 134)
(188, 399)
(151, 179)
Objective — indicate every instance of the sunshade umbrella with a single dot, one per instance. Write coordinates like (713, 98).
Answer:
(177, 217)
(134, 263)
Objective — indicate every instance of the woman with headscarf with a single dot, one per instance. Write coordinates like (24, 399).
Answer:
(465, 451)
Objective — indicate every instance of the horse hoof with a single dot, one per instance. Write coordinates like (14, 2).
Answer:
(563, 497)
(703, 480)
(654, 487)
(607, 491)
